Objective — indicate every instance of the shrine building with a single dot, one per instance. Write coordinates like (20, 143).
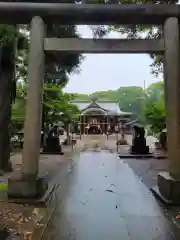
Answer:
(100, 116)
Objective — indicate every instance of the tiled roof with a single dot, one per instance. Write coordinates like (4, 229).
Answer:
(111, 107)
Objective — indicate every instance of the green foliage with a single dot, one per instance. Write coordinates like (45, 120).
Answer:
(56, 106)
(18, 109)
(60, 65)
(136, 31)
(131, 99)
(155, 107)
(7, 34)
(155, 116)
(13, 38)
(155, 91)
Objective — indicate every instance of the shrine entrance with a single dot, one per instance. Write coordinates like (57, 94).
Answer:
(164, 15)
(95, 120)
(95, 129)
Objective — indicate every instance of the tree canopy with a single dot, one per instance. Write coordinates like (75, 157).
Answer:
(130, 98)
(56, 106)
(155, 107)
(136, 31)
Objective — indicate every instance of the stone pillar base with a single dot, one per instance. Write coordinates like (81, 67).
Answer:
(20, 188)
(168, 189)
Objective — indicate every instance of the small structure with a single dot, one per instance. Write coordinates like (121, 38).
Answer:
(52, 143)
(163, 139)
(100, 116)
(139, 141)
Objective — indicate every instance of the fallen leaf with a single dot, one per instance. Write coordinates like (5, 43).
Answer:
(110, 191)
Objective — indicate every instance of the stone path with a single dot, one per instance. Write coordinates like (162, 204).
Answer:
(100, 179)
(102, 198)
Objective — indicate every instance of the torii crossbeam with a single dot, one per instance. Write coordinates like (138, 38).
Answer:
(70, 13)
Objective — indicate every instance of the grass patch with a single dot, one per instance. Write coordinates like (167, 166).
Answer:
(3, 187)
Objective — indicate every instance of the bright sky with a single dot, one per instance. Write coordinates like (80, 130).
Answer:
(110, 71)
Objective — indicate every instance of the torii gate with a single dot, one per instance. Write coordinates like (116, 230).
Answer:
(41, 13)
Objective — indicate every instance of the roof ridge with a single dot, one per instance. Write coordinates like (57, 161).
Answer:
(100, 100)
(113, 101)
(79, 100)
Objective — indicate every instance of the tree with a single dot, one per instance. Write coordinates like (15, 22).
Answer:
(155, 116)
(56, 105)
(58, 67)
(155, 107)
(136, 31)
(18, 109)
(131, 99)
(155, 91)
(11, 40)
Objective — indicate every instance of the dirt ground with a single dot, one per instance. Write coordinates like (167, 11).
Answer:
(22, 219)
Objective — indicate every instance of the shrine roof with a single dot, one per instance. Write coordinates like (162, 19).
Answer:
(110, 107)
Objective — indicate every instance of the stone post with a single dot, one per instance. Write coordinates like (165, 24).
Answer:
(32, 127)
(169, 182)
(28, 184)
(172, 93)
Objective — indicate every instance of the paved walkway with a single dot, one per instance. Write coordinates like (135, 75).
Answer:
(100, 197)
(103, 199)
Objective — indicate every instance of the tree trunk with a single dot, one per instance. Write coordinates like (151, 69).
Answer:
(6, 80)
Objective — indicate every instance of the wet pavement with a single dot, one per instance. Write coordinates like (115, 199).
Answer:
(102, 199)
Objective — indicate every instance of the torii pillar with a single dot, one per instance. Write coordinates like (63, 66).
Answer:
(28, 184)
(169, 182)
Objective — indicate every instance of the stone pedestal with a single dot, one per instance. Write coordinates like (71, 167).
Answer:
(26, 188)
(168, 189)
(142, 149)
(52, 146)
